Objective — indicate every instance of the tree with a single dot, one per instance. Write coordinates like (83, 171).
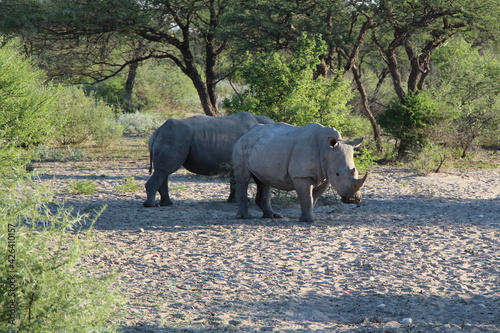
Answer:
(26, 110)
(409, 120)
(468, 79)
(114, 35)
(405, 34)
(279, 84)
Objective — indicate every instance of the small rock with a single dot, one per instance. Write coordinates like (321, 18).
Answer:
(381, 306)
(234, 322)
(406, 321)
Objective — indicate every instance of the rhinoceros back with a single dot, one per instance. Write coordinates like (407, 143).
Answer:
(208, 141)
(275, 153)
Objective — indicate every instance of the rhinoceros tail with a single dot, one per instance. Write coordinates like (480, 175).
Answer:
(152, 139)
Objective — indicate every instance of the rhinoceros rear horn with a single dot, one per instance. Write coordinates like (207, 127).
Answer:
(360, 182)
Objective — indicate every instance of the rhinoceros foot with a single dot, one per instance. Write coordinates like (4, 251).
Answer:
(166, 203)
(148, 204)
(246, 216)
(272, 215)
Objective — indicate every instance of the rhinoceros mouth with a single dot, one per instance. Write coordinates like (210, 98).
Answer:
(354, 200)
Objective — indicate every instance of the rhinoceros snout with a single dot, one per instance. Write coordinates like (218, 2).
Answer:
(351, 200)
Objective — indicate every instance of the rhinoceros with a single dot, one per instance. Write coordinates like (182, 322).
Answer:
(201, 144)
(306, 159)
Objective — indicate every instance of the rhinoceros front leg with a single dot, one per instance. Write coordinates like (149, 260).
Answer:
(318, 191)
(263, 200)
(304, 189)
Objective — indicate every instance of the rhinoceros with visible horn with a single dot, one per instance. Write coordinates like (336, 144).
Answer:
(306, 159)
(201, 144)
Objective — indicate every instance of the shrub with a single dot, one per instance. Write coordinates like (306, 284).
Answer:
(26, 109)
(410, 120)
(433, 158)
(281, 86)
(83, 118)
(44, 284)
(58, 154)
(85, 187)
(129, 184)
(139, 123)
(468, 79)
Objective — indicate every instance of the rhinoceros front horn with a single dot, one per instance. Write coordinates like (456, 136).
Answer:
(360, 182)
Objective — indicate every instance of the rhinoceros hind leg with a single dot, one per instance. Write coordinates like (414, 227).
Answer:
(158, 182)
(263, 200)
(232, 190)
(246, 216)
(164, 196)
(166, 203)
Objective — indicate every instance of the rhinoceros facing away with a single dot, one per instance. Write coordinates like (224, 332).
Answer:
(306, 159)
(201, 144)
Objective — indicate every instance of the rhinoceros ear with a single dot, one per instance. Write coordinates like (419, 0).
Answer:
(332, 140)
(356, 142)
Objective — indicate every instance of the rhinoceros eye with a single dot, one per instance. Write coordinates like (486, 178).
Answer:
(338, 174)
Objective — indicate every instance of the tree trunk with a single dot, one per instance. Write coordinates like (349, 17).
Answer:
(129, 87)
(208, 99)
(367, 108)
(324, 67)
(392, 64)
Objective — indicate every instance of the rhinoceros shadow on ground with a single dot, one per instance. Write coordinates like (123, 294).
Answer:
(127, 214)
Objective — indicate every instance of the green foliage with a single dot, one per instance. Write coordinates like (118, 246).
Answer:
(433, 158)
(26, 109)
(58, 154)
(365, 156)
(139, 122)
(410, 121)
(82, 118)
(468, 79)
(45, 286)
(280, 85)
(85, 187)
(129, 184)
(159, 86)
(111, 91)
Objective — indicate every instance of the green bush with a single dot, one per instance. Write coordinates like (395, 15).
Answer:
(160, 86)
(58, 154)
(26, 109)
(139, 123)
(82, 118)
(411, 120)
(281, 86)
(128, 184)
(468, 79)
(433, 158)
(45, 285)
(85, 187)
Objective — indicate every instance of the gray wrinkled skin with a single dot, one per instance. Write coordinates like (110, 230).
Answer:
(306, 159)
(201, 144)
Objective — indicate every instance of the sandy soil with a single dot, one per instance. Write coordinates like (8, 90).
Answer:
(420, 254)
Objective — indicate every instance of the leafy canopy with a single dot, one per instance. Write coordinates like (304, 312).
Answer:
(26, 109)
(280, 85)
